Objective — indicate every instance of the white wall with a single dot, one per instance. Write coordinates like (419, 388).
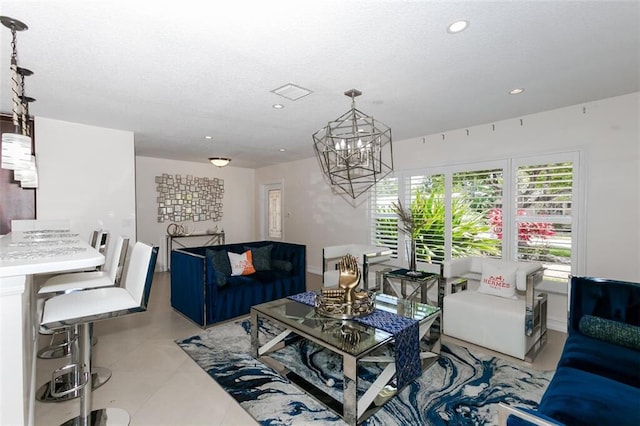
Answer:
(605, 131)
(86, 174)
(238, 206)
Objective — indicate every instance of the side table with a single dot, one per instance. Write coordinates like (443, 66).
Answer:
(421, 282)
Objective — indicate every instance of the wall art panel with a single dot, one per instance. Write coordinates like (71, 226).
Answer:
(182, 198)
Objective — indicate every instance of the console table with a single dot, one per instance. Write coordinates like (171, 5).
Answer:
(216, 238)
(21, 256)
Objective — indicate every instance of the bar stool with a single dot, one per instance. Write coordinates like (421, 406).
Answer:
(65, 283)
(99, 240)
(81, 309)
(75, 281)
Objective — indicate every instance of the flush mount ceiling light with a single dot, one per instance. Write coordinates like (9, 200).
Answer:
(516, 91)
(457, 27)
(220, 161)
(17, 146)
(277, 106)
(354, 150)
(208, 137)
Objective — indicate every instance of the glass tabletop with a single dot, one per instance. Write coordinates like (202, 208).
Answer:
(403, 273)
(349, 336)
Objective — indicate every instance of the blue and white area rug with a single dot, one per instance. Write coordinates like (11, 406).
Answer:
(462, 388)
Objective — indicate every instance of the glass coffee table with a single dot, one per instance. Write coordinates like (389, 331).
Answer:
(355, 342)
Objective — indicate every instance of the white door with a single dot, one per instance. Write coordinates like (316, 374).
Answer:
(272, 208)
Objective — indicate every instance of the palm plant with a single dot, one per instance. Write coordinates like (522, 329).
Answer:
(413, 221)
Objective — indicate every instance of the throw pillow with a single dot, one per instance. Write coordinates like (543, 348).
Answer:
(498, 280)
(261, 257)
(219, 279)
(282, 265)
(220, 268)
(241, 264)
(618, 333)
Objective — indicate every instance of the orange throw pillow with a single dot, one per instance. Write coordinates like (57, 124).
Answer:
(241, 264)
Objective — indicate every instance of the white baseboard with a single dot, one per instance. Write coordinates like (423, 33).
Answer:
(314, 270)
(557, 324)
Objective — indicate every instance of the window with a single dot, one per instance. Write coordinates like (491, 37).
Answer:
(514, 209)
(476, 198)
(543, 216)
(274, 213)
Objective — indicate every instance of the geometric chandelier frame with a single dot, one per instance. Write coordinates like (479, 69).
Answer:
(355, 151)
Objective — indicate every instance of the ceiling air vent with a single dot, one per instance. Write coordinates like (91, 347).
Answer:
(291, 91)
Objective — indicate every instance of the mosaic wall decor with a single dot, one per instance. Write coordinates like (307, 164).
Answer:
(183, 198)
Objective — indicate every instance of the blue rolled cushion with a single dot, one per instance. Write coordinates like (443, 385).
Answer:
(219, 267)
(261, 257)
(282, 265)
(616, 332)
(577, 397)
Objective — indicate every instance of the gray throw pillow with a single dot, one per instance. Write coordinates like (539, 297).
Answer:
(220, 261)
(261, 257)
(282, 265)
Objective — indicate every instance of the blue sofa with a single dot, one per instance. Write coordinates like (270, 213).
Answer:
(208, 295)
(597, 381)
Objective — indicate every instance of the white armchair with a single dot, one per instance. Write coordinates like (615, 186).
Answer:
(515, 325)
(366, 255)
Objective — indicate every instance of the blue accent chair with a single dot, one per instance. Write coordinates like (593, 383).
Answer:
(597, 381)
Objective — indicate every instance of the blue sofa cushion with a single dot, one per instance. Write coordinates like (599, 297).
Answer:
(602, 358)
(577, 397)
(610, 331)
(261, 257)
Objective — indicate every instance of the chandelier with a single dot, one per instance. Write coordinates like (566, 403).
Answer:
(16, 147)
(354, 150)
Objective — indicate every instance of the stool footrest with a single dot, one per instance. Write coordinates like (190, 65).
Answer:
(58, 377)
(99, 376)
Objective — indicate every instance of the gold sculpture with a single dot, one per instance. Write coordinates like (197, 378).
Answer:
(345, 302)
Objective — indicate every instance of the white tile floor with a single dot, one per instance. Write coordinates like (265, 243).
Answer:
(158, 384)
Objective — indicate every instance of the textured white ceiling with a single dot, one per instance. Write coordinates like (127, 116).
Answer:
(173, 72)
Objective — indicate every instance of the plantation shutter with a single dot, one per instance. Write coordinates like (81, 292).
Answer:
(385, 221)
(543, 216)
(476, 212)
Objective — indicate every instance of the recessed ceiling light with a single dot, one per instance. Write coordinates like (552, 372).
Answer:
(516, 91)
(208, 137)
(282, 150)
(457, 27)
(278, 106)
